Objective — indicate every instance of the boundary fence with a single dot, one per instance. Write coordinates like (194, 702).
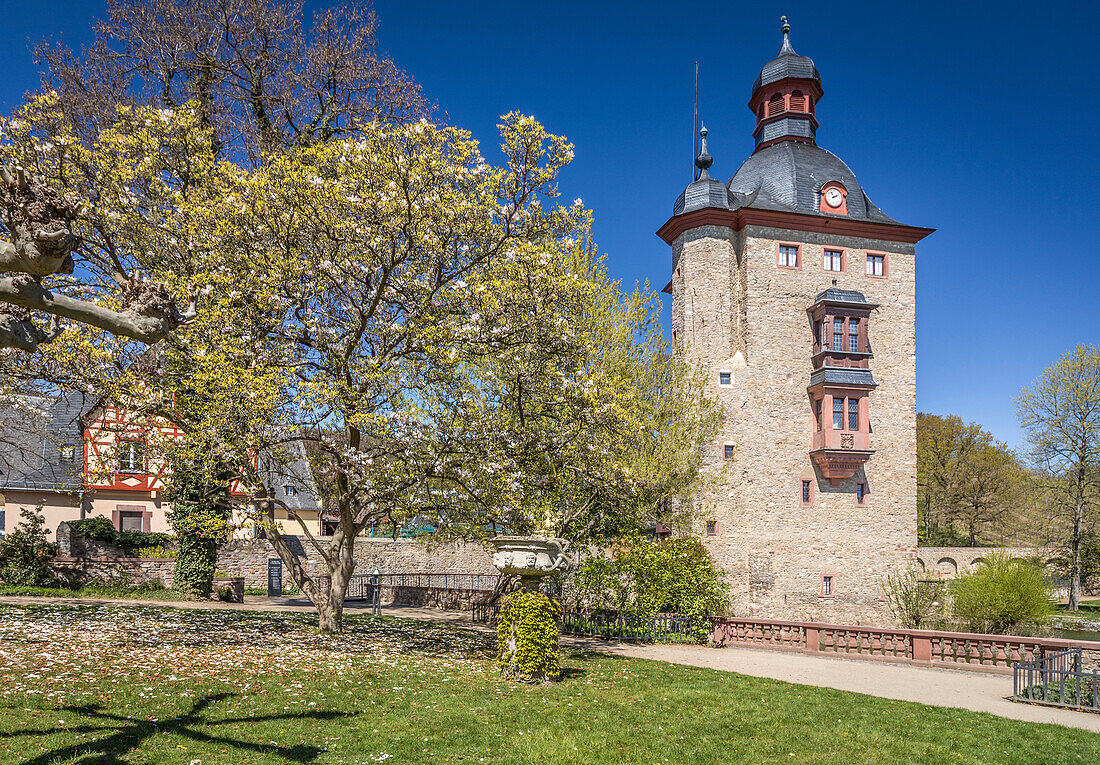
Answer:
(1057, 680)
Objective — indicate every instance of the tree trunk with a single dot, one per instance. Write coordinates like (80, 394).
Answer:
(1075, 564)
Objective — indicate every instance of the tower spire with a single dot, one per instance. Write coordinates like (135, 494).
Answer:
(704, 160)
(786, 48)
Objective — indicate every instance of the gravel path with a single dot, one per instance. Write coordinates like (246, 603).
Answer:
(975, 691)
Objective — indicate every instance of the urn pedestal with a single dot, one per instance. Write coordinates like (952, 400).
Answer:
(527, 630)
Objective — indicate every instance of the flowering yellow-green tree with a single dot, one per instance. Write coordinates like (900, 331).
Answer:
(434, 325)
(1060, 413)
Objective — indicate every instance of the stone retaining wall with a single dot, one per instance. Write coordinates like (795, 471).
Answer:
(81, 559)
(77, 571)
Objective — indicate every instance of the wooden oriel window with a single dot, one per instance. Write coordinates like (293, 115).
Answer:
(853, 335)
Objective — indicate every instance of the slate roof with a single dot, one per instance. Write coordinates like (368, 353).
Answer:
(788, 176)
(842, 376)
(786, 64)
(33, 430)
(835, 295)
(292, 469)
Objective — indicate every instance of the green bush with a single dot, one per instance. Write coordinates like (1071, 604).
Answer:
(155, 551)
(643, 578)
(102, 530)
(916, 603)
(26, 554)
(1002, 594)
(527, 637)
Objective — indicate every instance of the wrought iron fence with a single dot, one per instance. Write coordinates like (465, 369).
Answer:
(664, 628)
(1057, 679)
(361, 588)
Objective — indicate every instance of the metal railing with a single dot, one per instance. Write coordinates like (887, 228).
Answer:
(361, 588)
(1057, 679)
(663, 628)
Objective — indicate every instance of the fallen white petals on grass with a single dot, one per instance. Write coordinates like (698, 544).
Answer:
(63, 652)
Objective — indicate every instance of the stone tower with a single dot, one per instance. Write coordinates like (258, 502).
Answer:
(797, 296)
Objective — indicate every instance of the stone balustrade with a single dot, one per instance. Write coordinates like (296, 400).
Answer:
(955, 650)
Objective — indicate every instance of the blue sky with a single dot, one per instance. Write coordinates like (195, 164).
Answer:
(979, 121)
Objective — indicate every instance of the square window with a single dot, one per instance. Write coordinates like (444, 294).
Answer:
(876, 265)
(131, 457)
(712, 528)
(826, 586)
(727, 451)
(129, 520)
(725, 378)
(861, 493)
(788, 256)
(806, 492)
(833, 260)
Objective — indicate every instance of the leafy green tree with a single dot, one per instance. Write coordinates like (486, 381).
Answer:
(25, 554)
(1003, 593)
(969, 484)
(1060, 413)
(198, 492)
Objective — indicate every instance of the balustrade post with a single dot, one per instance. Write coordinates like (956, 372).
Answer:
(922, 650)
(813, 640)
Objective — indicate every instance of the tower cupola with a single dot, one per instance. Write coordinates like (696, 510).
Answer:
(785, 97)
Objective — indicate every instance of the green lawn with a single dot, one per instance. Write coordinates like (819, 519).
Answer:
(143, 685)
(97, 590)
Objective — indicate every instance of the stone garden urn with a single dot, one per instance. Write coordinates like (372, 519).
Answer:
(530, 558)
(527, 630)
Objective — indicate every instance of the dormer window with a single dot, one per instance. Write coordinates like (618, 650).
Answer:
(290, 491)
(68, 453)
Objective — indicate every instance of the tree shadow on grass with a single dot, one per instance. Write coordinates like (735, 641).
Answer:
(128, 733)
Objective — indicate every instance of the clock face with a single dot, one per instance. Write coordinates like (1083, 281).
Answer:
(833, 197)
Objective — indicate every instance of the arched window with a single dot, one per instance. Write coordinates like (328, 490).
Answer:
(798, 101)
(775, 104)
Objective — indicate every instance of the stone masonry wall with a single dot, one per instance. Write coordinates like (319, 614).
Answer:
(736, 310)
(248, 558)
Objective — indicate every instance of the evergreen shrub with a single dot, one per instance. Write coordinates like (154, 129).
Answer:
(527, 637)
(26, 554)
